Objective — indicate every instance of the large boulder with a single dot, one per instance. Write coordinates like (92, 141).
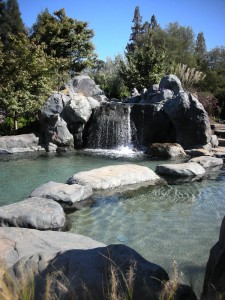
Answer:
(165, 150)
(98, 274)
(214, 282)
(189, 119)
(181, 170)
(63, 116)
(18, 143)
(69, 196)
(115, 177)
(18, 242)
(37, 213)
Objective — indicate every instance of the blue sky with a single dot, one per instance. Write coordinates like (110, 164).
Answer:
(111, 20)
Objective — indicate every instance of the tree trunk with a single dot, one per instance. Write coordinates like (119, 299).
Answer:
(15, 122)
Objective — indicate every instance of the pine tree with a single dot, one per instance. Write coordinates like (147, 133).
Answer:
(10, 19)
(201, 51)
(153, 23)
(136, 29)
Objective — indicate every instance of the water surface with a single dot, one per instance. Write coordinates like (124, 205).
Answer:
(163, 223)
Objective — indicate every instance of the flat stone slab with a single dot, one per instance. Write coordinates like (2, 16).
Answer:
(38, 213)
(16, 243)
(115, 176)
(207, 161)
(69, 196)
(182, 170)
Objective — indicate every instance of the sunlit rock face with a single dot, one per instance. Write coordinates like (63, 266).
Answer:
(81, 116)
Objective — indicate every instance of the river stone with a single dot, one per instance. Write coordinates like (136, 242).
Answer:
(69, 196)
(207, 161)
(214, 282)
(182, 170)
(18, 242)
(165, 150)
(115, 176)
(38, 213)
(89, 273)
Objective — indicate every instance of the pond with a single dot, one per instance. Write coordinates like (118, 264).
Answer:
(164, 223)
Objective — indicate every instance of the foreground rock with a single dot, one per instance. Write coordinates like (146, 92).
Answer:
(38, 213)
(165, 150)
(97, 274)
(181, 170)
(207, 161)
(214, 282)
(115, 176)
(69, 196)
(18, 143)
(18, 242)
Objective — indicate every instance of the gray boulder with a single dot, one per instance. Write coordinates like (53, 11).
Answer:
(181, 170)
(115, 176)
(69, 196)
(38, 213)
(54, 105)
(171, 82)
(79, 109)
(189, 119)
(207, 161)
(214, 282)
(18, 143)
(18, 242)
(84, 85)
(165, 150)
(97, 274)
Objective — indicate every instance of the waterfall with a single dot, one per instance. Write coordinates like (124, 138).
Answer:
(110, 127)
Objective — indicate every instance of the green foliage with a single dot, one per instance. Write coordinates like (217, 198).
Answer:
(10, 19)
(145, 66)
(25, 77)
(200, 50)
(66, 39)
(107, 75)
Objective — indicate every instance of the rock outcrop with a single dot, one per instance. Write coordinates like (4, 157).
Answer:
(37, 213)
(115, 177)
(69, 196)
(65, 113)
(214, 282)
(19, 143)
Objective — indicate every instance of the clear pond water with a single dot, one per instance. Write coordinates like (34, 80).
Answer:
(163, 223)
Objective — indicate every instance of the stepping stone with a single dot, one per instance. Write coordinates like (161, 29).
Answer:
(115, 176)
(181, 170)
(37, 213)
(207, 161)
(69, 196)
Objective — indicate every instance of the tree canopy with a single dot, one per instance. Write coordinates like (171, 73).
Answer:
(65, 38)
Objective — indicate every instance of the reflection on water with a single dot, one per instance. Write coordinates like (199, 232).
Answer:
(164, 223)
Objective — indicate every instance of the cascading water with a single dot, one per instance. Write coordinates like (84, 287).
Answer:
(110, 127)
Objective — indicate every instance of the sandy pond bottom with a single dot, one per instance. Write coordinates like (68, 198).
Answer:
(164, 223)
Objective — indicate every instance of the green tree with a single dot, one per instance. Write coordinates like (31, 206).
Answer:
(145, 66)
(136, 29)
(25, 77)
(201, 51)
(180, 44)
(153, 23)
(107, 75)
(65, 38)
(10, 19)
